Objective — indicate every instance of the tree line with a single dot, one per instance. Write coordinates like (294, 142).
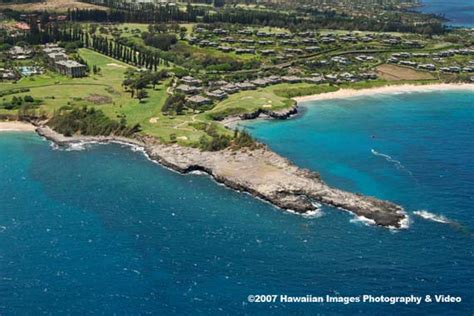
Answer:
(151, 13)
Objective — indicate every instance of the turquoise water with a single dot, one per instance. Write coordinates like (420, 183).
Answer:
(103, 230)
(459, 12)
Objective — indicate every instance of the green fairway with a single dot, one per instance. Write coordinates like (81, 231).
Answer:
(272, 98)
(105, 92)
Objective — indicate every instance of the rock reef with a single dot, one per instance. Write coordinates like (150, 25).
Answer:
(260, 172)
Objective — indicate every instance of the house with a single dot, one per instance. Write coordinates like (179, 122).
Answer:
(392, 41)
(230, 88)
(228, 39)
(219, 31)
(293, 50)
(198, 100)
(217, 94)
(309, 41)
(7, 74)
(363, 58)
(260, 82)
(290, 42)
(18, 52)
(327, 40)
(291, 79)
(284, 35)
(454, 69)
(188, 80)
(408, 63)
(267, 52)
(71, 68)
(429, 67)
(331, 77)
(218, 83)
(349, 39)
(186, 89)
(225, 49)
(340, 60)
(244, 51)
(246, 86)
(247, 41)
(420, 55)
(22, 26)
(53, 49)
(315, 80)
(393, 60)
(274, 79)
(348, 76)
(312, 49)
(368, 75)
(262, 34)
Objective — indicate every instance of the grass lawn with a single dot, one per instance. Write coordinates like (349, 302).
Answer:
(56, 91)
(273, 98)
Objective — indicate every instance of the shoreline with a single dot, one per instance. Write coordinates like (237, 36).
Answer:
(261, 173)
(16, 126)
(293, 111)
(389, 89)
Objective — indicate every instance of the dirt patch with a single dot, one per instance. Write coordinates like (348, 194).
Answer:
(99, 99)
(52, 6)
(395, 73)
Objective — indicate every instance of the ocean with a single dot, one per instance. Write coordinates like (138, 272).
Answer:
(459, 12)
(100, 229)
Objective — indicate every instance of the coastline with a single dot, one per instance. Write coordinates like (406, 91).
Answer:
(390, 89)
(16, 126)
(261, 173)
(233, 121)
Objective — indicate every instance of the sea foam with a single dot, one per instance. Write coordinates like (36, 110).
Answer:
(432, 217)
(388, 158)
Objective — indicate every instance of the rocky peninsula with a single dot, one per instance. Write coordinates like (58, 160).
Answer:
(260, 172)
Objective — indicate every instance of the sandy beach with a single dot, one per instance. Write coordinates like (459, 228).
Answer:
(14, 126)
(407, 88)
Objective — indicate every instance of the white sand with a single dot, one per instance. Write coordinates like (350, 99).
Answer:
(407, 88)
(16, 126)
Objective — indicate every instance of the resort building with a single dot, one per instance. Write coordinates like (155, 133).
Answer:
(186, 89)
(198, 100)
(71, 68)
(20, 53)
(57, 58)
(7, 74)
(217, 94)
(230, 88)
(188, 80)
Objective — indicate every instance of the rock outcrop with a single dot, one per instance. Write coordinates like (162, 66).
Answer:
(280, 115)
(259, 172)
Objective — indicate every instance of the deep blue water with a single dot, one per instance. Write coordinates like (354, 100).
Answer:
(459, 12)
(104, 230)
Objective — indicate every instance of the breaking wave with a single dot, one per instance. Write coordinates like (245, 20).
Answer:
(432, 217)
(73, 146)
(363, 220)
